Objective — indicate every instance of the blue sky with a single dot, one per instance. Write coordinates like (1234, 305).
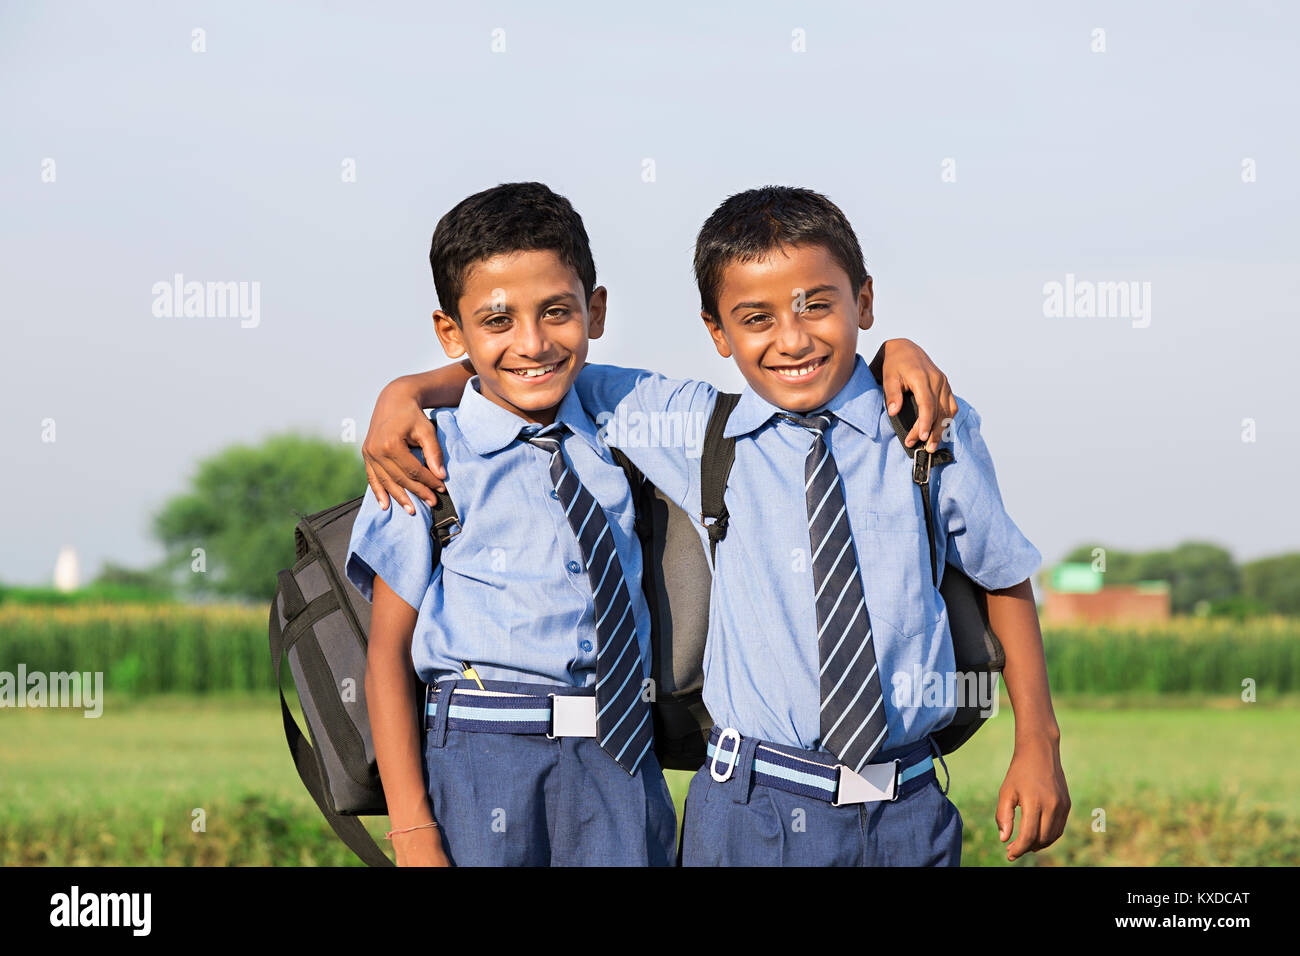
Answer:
(1123, 165)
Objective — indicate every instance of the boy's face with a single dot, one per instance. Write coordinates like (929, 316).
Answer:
(524, 325)
(791, 322)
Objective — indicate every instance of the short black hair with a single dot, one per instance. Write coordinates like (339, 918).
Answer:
(749, 225)
(511, 217)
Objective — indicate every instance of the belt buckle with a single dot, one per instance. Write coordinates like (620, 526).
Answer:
(876, 787)
(717, 749)
(572, 715)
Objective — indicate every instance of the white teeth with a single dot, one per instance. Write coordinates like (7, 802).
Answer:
(535, 372)
(802, 370)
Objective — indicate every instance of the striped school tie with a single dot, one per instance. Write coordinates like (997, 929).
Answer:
(852, 701)
(623, 724)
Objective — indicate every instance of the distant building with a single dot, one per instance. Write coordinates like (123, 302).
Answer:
(67, 571)
(1076, 594)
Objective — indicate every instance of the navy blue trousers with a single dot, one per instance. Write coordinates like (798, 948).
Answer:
(526, 800)
(744, 823)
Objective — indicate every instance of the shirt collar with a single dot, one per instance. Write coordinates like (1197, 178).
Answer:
(859, 403)
(488, 427)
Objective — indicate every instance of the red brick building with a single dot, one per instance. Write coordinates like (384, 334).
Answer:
(1077, 594)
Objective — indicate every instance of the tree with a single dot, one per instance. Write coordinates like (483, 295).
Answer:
(1196, 571)
(1274, 583)
(243, 506)
(1121, 567)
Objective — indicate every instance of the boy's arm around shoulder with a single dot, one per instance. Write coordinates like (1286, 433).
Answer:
(658, 422)
(399, 424)
(986, 545)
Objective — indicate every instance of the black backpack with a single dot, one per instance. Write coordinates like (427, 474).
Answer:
(319, 622)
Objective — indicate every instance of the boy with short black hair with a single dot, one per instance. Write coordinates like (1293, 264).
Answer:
(529, 627)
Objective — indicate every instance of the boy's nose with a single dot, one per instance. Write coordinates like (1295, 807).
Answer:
(530, 340)
(792, 338)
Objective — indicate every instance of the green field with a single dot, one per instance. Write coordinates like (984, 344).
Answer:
(1181, 782)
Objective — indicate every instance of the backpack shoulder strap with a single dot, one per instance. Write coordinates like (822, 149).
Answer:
(633, 473)
(446, 524)
(922, 461)
(716, 458)
(636, 480)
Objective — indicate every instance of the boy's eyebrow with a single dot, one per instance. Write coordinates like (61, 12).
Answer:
(807, 294)
(487, 307)
(818, 290)
(550, 300)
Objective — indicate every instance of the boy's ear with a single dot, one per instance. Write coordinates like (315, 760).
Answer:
(865, 315)
(719, 337)
(450, 335)
(596, 312)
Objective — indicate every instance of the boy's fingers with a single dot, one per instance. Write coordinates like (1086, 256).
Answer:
(416, 477)
(426, 436)
(1030, 824)
(894, 388)
(948, 401)
(1056, 827)
(396, 490)
(433, 455)
(893, 395)
(377, 487)
(925, 406)
(1006, 814)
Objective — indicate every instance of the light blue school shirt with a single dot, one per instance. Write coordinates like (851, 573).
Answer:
(761, 663)
(510, 594)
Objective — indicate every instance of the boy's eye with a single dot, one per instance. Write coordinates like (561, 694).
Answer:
(497, 321)
(756, 319)
(556, 311)
(818, 306)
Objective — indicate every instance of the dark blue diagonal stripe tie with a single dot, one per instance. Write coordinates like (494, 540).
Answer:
(623, 724)
(852, 701)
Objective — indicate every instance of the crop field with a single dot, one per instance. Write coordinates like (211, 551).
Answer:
(1166, 763)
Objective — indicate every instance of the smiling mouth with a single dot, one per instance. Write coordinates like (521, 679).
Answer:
(795, 372)
(534, 371)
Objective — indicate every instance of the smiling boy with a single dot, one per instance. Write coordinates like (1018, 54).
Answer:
(529, 627)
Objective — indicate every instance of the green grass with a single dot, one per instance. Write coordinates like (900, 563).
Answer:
(1186, 782)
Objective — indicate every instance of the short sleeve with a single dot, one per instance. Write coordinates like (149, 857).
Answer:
(392, 545)
(983, 542)
(658, 422)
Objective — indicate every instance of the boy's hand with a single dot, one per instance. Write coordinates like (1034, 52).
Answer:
(420, 848)
(900, 365)
(397, 424)
(1036, 782)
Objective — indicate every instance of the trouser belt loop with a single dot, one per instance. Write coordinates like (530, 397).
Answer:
(934, 749)
(438, 732)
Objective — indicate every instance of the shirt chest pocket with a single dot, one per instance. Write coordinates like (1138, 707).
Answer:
(485, 580)
(894, 553)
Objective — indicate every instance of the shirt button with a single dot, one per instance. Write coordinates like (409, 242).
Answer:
(585, 645)
(574, 566)
(555, 494)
